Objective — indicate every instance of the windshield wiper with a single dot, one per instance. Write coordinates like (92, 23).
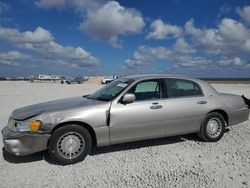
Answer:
(102, 99)
(99, 98)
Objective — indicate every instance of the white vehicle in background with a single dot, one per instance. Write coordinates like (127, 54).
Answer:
(108, 79)
(85, 78)
(48, 77)
(44, 77)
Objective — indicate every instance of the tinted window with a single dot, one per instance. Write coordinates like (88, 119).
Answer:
(150, 86)
(182, 88)
(146, 90)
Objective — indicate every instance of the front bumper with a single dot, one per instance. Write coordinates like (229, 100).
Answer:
(24, 143)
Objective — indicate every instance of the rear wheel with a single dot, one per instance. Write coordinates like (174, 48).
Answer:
(69, 144)
(212, 127)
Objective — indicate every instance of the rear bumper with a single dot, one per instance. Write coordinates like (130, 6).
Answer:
(24, 143)
(239, 116)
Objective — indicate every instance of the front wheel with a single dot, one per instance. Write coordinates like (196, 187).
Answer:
(212, 128)
(69, 144)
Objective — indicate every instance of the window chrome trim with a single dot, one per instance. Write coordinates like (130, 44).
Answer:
(118, 98)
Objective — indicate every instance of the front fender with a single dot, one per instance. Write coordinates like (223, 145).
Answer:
(95, 116)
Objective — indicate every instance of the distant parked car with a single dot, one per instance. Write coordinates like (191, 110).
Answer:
(85, 78)
(3, 78)
(108, 79)
(128, 109)
(77, 80)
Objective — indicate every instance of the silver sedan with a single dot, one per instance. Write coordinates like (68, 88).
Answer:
(128, 109)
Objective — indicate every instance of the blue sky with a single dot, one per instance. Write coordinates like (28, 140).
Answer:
(98, 37)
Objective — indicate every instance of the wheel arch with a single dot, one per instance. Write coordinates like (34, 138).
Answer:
(223, 113)
(85, 125)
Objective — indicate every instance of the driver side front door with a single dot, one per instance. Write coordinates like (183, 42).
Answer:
(142, 119)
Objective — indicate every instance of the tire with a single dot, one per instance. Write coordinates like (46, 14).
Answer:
(212, 127)
(69, 144)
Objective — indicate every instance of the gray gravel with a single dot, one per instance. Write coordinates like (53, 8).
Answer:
(182, 161)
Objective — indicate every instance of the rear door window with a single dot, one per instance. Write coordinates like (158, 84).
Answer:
(182, 88)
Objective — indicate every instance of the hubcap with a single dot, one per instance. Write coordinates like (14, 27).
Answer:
(214, 127)
(70, 145)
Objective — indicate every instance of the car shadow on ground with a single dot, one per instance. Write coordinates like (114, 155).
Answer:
(22, 159)
(147, 143)
(143, 144)
(107, 149)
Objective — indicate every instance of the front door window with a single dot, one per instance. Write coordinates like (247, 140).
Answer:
(147, 90)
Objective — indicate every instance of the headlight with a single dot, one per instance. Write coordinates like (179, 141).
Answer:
(28, 126)
(11, 124)
(22, 126)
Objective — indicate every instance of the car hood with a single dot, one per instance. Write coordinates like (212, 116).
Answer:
(56, 105)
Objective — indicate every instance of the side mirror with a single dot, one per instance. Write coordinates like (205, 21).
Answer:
(128, 98)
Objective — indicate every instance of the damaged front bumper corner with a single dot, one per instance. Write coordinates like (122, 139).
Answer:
(21, 144)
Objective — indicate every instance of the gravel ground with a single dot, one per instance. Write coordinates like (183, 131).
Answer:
(182, 161)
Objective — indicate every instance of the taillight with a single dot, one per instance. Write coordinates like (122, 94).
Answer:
(246, 100)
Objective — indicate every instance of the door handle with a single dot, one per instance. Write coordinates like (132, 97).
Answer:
(156, 106)
(201, 102)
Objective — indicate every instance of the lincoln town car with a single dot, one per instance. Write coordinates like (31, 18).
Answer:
(128, 109)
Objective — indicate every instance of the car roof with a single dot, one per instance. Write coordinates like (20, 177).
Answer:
(146, 76)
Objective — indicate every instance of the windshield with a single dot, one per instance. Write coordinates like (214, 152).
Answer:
(111, 90)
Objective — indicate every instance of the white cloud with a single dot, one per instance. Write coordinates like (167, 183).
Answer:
(183, 47)
(221, 47)
(145, 55)
(102, 20)
(46, 4)
(227, 44)
(180, 53)
(15, 36)
(244, 13)
(79, 5)
(42, 43)
(206, 38)
(233, 61)
(84, 6)
(230, 38)
(68, 55)
(12, 57)
(232, 30)
(111, 20)
(161, 30)
(225, 61)
(237, 61)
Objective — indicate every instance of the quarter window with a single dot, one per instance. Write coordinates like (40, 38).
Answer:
(182, 88)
